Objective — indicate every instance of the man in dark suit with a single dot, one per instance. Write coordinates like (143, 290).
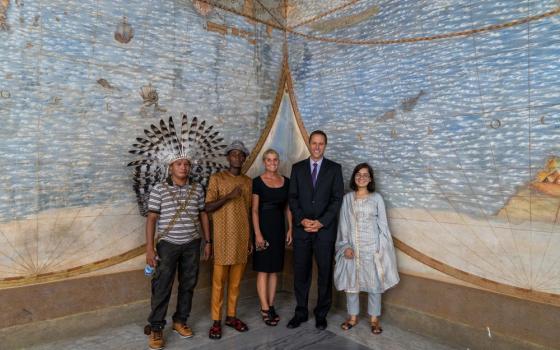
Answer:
(316, 191)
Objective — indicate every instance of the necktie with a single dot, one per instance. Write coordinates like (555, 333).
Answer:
(314, 174)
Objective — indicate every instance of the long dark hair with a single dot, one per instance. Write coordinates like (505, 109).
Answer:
(371, 185)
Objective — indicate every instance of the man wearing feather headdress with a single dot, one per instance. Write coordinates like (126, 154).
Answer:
(167, 185)
(229, 200)
(177, 206)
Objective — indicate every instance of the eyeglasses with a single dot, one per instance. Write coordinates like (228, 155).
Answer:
(362, 176)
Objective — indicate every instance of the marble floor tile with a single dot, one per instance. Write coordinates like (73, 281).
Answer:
(259, 336)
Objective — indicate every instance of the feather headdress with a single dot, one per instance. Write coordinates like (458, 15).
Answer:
(163, 145)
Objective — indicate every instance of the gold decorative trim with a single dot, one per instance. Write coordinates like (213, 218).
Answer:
(501, 288)
(346, 41)
(330, 25)
(324, 14)
(270, 13)
(285, 84)
(239, 13)
(492, 27)
(71, 272)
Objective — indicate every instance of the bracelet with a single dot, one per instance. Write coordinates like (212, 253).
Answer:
(208, 241)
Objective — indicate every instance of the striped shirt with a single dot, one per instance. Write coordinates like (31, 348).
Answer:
(166, 199)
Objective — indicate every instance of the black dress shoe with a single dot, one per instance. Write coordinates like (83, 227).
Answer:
(295, 322)
(321, 323)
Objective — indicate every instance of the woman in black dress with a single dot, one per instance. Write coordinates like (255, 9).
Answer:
(270, 211)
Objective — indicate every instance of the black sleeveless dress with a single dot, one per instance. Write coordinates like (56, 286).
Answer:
(272, 222)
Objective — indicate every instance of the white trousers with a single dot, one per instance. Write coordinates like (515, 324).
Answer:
(353, 304)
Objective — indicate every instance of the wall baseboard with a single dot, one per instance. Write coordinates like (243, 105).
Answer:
(90, 322)
(457, 315)
(452, 333)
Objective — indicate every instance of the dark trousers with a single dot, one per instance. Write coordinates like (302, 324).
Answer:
(304, 250)
(185, 259)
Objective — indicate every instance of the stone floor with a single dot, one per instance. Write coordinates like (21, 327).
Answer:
(259, 336)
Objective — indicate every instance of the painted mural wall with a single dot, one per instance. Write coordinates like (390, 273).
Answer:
(79, 81)
(463, 132)
(455, 104)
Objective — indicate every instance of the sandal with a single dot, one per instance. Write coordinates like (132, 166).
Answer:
(349, 324)
(375, 327)
(273, 315)
(267, 319)
(215, 331)
(237, 324)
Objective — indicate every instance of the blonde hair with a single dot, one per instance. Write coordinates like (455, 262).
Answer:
(270, 151)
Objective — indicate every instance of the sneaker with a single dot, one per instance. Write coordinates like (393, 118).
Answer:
(155, 341)
(182, 329)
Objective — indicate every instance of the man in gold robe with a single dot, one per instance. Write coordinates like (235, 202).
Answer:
(228, 199)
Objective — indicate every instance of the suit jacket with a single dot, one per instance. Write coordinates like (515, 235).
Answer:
(320, 203)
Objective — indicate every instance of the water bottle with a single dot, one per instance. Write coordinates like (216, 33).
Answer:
(148, 271)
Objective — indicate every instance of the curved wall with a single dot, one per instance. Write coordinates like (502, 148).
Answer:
(463, 132)
(79, 81)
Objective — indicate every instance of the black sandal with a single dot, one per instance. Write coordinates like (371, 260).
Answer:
(273, 315)
(265, 314)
